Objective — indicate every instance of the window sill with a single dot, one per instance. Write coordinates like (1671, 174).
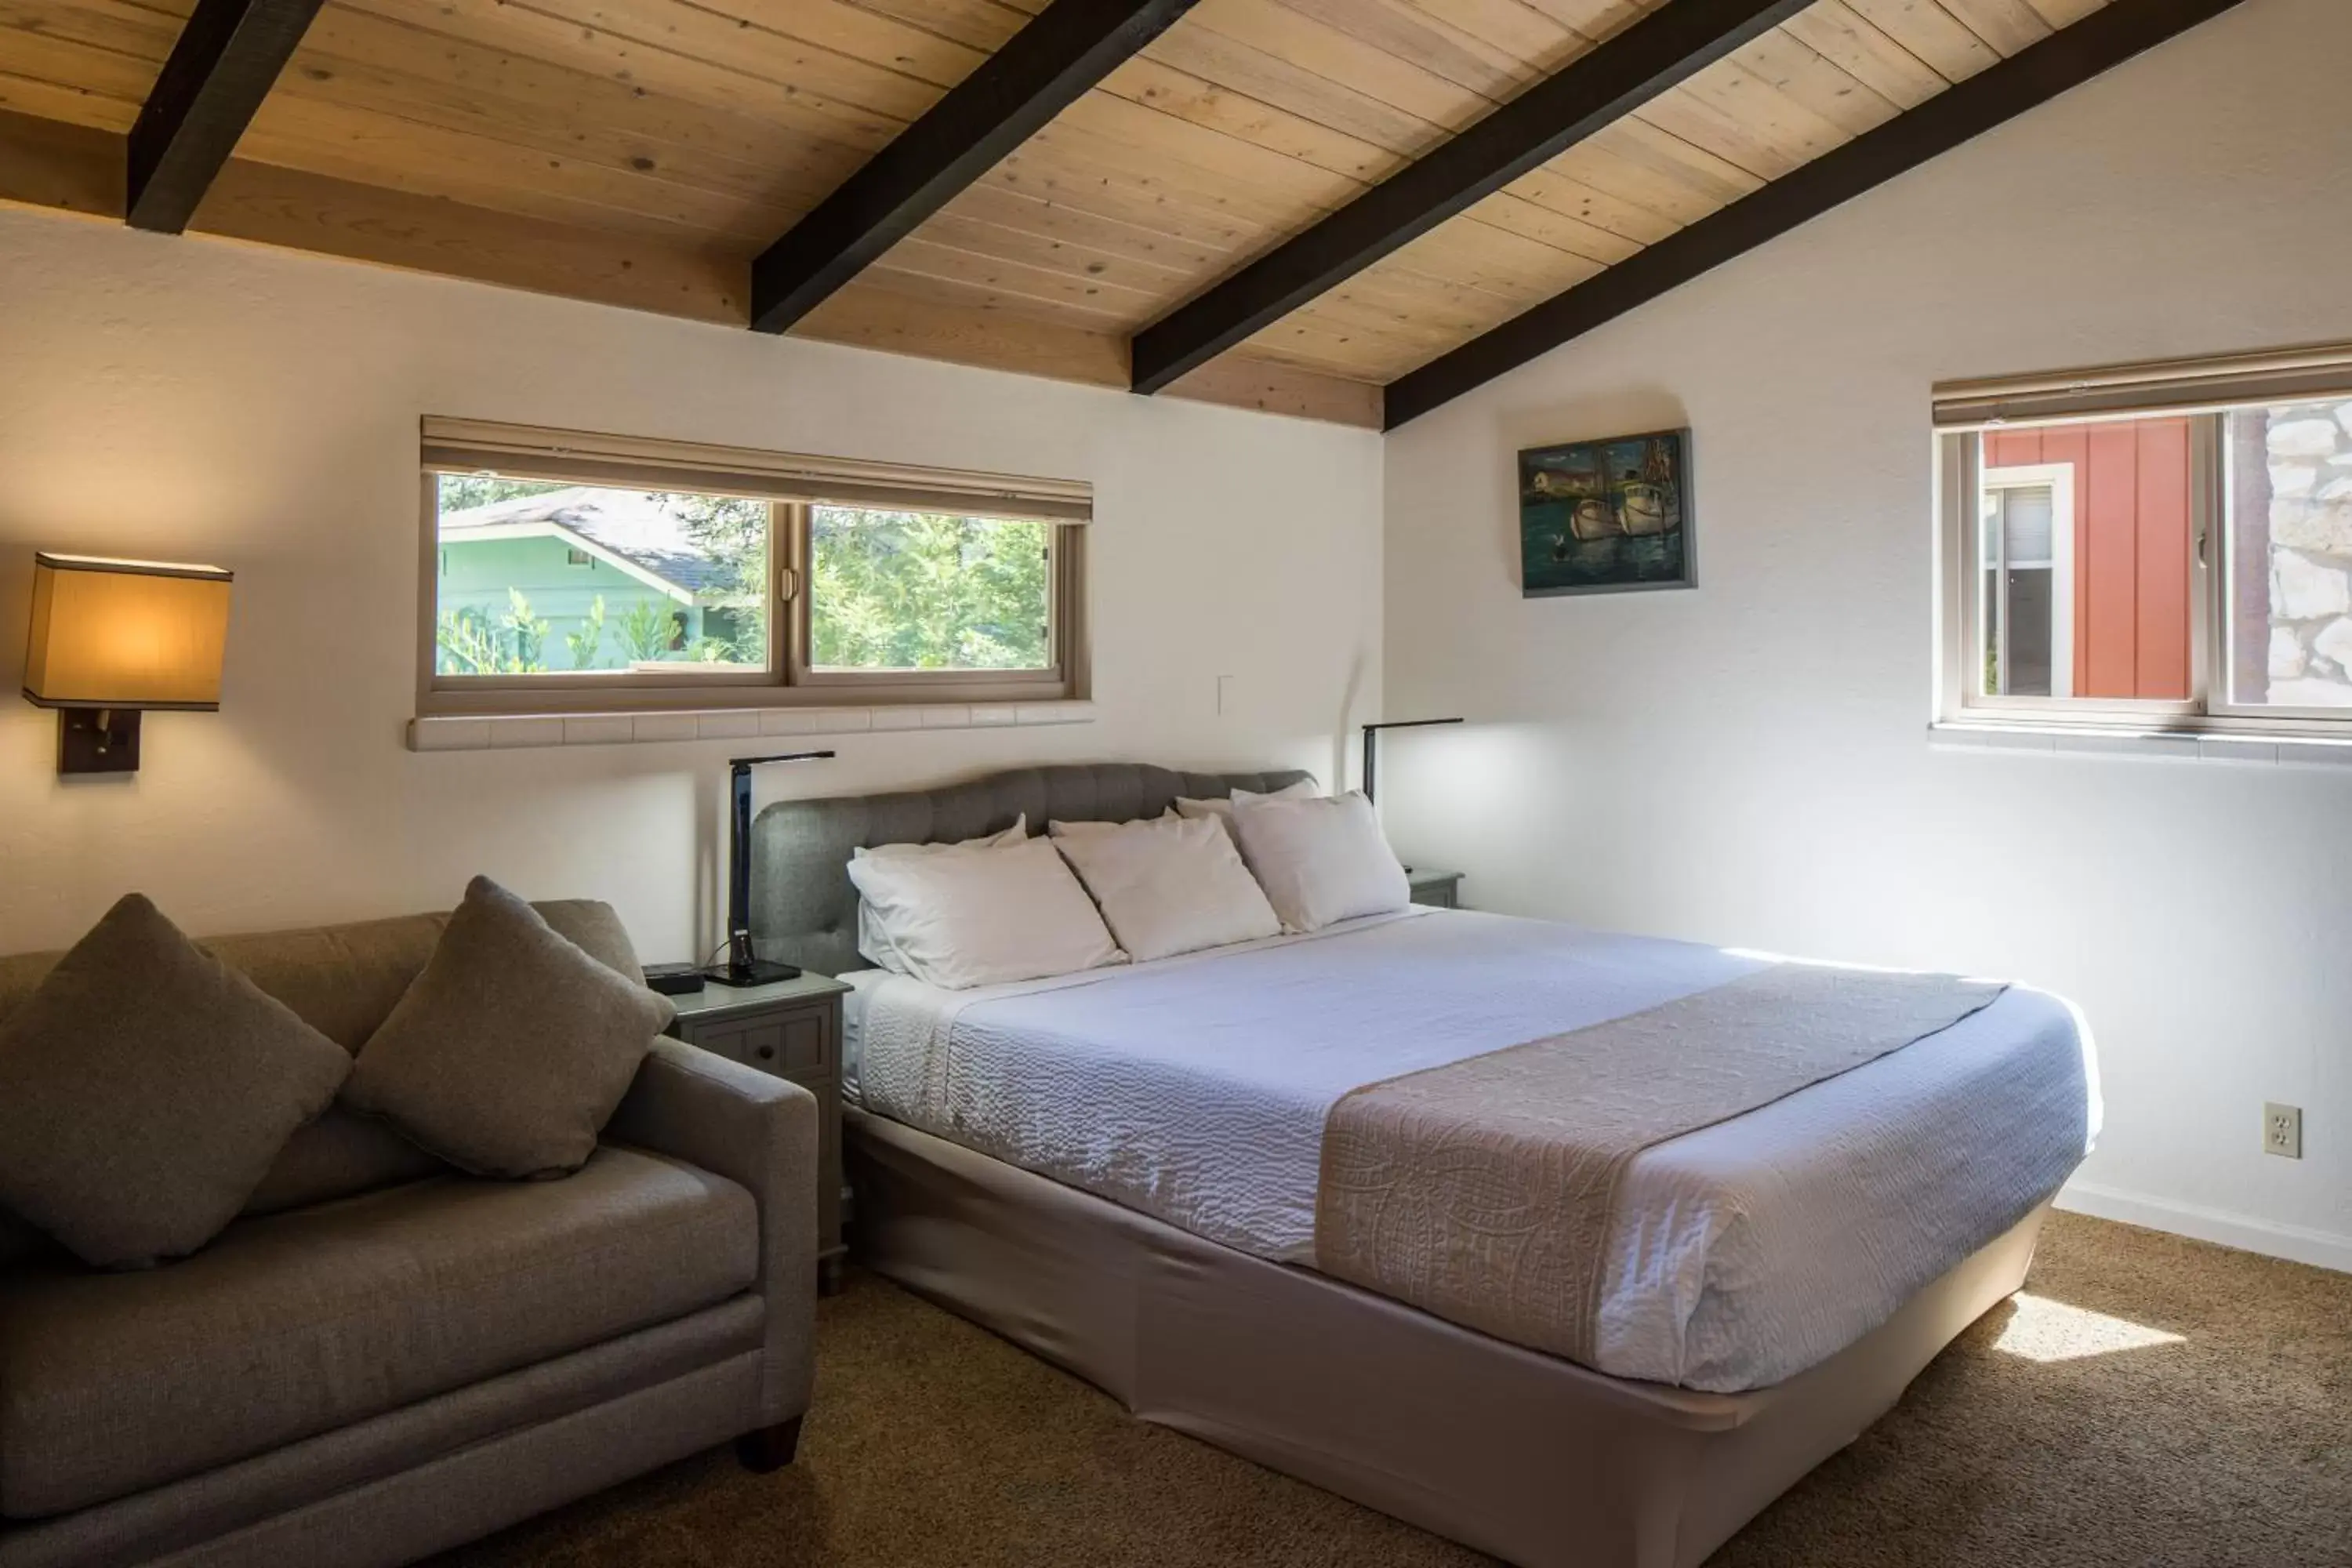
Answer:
(494, 732)
(2154, 745)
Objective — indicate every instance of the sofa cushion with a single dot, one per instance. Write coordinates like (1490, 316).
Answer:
(510, 1051)
(145, 1089)
(303, 1322)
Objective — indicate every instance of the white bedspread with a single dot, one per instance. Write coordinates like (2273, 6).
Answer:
(1195, 1090)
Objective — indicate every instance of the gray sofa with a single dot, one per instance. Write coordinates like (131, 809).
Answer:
(380, 1357)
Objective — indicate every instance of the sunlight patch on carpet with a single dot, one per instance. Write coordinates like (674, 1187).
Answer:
(2047, 1330)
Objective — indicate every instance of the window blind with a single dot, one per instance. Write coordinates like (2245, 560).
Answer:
(2171, 386)
(521, 451)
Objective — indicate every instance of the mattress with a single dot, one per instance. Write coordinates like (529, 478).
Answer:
(1196, 1088)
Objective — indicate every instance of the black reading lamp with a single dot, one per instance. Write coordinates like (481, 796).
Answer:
(1371, 751)
(742, 966)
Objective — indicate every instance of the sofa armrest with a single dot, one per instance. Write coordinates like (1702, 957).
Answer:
(760, 1132)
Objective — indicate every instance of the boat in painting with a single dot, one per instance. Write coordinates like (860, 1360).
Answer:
(1598, 515)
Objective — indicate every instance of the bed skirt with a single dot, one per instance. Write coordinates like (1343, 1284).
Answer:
(1531, 1458)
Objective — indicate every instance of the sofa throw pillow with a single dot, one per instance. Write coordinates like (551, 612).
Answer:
(1167, 885)
(1321, 861)
(511, 1049)
(874, 943)
(145, 1089)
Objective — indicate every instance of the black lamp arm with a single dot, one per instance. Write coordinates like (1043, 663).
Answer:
(1371, 751)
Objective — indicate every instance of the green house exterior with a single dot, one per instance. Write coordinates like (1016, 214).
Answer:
(562, 583)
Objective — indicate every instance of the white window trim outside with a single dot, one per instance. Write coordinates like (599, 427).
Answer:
(2058, 478)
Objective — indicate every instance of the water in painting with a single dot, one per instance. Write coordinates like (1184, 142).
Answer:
(1601, 515)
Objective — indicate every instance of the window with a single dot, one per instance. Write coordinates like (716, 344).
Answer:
(538, 578)
(572, 572)
(2166, 547)
(2028, 600)
(2289, 559)
(913, 591)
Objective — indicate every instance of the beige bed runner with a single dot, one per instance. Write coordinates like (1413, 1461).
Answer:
(1482, 1191)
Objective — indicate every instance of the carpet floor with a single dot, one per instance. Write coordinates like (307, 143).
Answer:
(2147, 1401)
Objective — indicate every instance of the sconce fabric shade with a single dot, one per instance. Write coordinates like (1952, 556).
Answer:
(125, 634)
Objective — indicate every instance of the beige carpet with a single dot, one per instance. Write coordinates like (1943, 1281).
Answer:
(2148, 1401)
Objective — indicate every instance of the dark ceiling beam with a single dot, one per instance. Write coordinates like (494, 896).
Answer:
(1603, 85)
(1044, 69)
(227, 58)
(2057, 64)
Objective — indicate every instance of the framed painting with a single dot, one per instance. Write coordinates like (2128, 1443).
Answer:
(1606, 517)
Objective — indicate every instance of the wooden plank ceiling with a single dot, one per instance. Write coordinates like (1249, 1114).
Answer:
(643, 151)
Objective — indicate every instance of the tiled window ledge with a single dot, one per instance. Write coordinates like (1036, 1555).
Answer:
(471, 732)
(2155, 746)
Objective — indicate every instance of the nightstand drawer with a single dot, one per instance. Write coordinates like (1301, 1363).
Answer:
(789, 1044)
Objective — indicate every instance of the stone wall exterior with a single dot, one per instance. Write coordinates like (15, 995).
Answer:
(2309, 447)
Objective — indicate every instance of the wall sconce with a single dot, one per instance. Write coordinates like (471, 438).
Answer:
(112, 638)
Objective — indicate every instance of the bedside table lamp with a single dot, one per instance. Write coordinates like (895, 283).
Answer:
(1372, 749)
(1418, 880)
(110, 639)
(742, 966)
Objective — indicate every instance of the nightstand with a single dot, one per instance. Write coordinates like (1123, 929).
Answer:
(1438, 889)
(792, 1029)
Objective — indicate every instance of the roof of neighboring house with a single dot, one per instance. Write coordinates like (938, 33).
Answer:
(625, 526)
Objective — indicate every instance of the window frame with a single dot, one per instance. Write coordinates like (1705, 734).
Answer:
(787, 680)
(2222, 711)
(1065, 550)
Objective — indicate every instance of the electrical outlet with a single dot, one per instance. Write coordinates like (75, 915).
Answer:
(2283, 1131)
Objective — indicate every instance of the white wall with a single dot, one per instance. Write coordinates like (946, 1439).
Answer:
(197, 399)
(1748, 764)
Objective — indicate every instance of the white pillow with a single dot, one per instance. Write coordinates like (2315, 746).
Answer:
(1320, 860)
(985, 915)
(1187, 807)
(1016, 833)
(872, 942)
(1074, 830)
(1167, 886)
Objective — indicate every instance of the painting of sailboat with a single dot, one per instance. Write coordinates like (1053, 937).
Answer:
(1598, 517)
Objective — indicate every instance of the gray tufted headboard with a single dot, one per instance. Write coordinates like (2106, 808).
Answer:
(803, 908)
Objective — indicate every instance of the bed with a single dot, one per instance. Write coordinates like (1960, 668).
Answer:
(1117, 1169)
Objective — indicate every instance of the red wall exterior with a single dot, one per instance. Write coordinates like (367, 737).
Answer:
(2131, 547)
